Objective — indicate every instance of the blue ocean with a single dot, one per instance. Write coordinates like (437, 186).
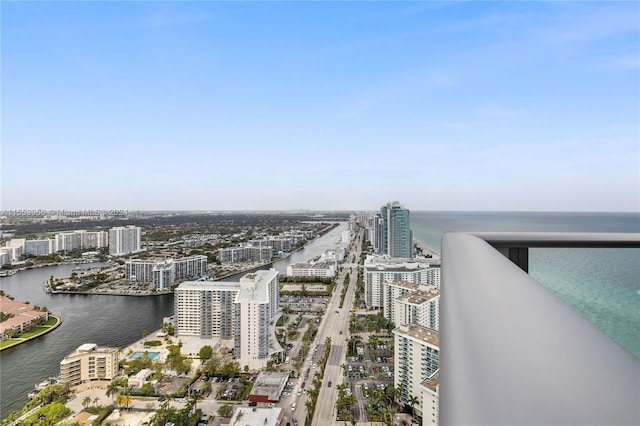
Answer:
(602, 284)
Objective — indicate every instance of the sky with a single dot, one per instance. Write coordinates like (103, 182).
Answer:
(477, 106)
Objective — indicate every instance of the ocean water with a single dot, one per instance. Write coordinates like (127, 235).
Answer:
(602, 284)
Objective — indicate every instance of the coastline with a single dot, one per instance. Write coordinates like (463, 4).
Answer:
(42, 333)
(427, 250)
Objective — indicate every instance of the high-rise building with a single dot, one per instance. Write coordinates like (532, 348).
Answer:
(16, 248)
(243, 311)
(245, 254)
(256, 306)
(417, 358)
(40, 247)
(379, 269)
(163, 273)
(378, 234)
(124, 240)
(420, 307)
(397, 237)
(430, 400)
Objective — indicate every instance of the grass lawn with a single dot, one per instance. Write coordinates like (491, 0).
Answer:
(33, 332)
(8, 342)
(53, 320)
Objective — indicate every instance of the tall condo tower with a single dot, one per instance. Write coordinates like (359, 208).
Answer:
(124, 240)
(397, 237)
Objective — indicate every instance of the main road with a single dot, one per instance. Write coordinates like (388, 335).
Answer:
(336, 325)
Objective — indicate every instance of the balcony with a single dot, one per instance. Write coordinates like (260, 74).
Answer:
(514, 354)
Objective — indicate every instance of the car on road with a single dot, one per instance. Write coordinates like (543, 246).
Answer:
(329, 385)
(293, 407)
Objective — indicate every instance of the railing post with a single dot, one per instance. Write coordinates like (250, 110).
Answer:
(518, 255)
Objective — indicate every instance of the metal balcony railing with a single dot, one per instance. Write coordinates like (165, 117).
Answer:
(514, 354)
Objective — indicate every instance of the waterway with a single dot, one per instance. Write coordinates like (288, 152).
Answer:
(106, 320)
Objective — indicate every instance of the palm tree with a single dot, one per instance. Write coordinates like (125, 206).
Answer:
(195, 397)
(112, 390)
(309, 405)
(120, 400)
(96, 400)
(86, 401)
(126, 400)
(412, 400)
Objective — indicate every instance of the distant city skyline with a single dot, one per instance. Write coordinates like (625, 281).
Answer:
(475, 106)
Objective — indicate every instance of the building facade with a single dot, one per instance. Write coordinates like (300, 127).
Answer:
(244, 311)
(397, 236)
(124, 240)
(421, 307)
(164, 273)
(430, 400)
(392, 290)
(378, 270)
(325, 269)
(89, 362)
(417, 358)
(258, 254)
(40, 247)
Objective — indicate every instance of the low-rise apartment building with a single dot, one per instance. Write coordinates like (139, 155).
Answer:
(89, 362)
(326, 269)
(23, 316)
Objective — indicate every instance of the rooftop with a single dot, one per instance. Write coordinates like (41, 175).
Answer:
(421, 296)
(10, 306)
(432, 382)
(380, 263)
(404, 284)
(418, 332)
(270, 383)
(256, 416)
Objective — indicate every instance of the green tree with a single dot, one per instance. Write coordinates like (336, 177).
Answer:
(412, 400)
(206, 352)
(212, 367)
(225, 410)
(50, 414)
(86, 401)
(230, 369)
(112, 390)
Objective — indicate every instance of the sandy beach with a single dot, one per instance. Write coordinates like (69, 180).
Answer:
(426, 250)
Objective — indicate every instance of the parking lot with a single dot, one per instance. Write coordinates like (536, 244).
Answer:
(305, 303)
(372, 369)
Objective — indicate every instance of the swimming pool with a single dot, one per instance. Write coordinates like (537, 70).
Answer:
(139, 354)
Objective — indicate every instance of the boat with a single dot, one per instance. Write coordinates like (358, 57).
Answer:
(8, 272)
(40, 386)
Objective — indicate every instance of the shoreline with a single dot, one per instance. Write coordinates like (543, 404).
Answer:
(427, 250)
(42, 333)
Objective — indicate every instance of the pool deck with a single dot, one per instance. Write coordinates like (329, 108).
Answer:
(138, 346)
